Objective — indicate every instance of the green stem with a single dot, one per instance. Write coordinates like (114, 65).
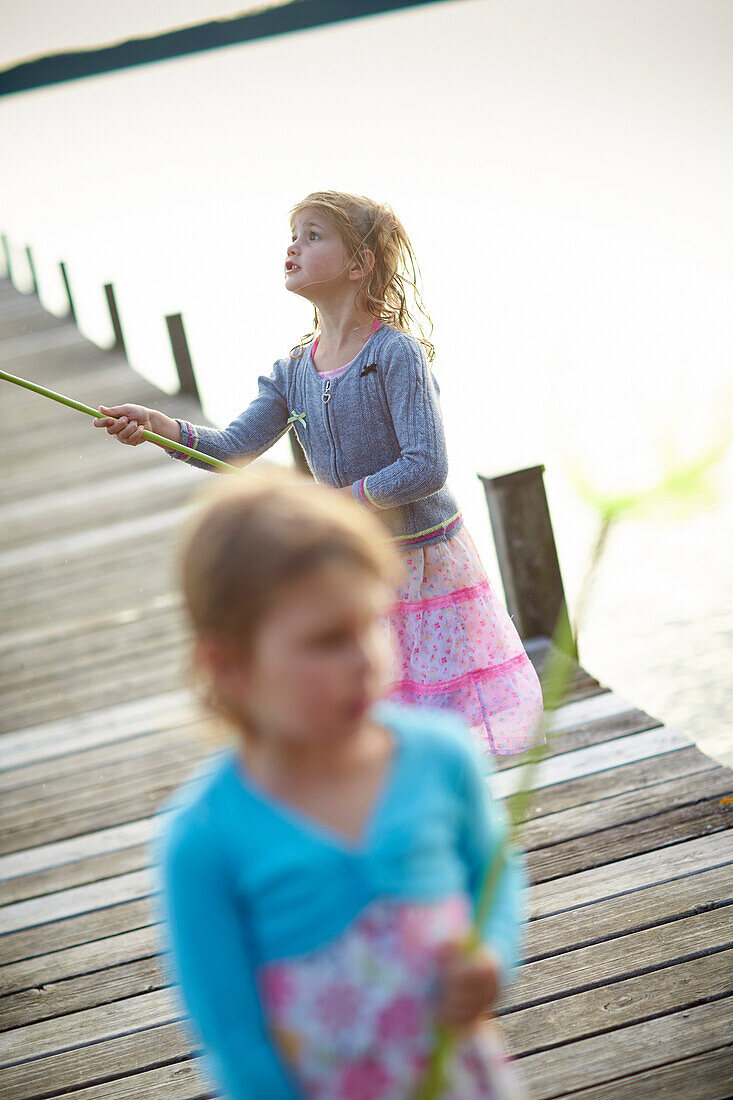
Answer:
(555, 680)
(152, 437)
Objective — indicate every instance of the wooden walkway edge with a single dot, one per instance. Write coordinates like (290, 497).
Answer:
(627, 986)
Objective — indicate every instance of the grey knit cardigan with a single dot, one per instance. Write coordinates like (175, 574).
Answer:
(375, 425)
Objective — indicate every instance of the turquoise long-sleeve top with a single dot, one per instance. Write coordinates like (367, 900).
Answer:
(248, 880)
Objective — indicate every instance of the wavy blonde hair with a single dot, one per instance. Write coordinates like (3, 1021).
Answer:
(364, 224)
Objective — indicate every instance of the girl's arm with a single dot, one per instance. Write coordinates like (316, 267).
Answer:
(412, 396)
(483, 831)
(253, 432)
(213, 964)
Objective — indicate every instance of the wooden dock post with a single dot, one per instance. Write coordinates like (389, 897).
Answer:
(119, 344)
(525, 548)
(32, 269)
(65, 280)
(6, 252)
(182, 357)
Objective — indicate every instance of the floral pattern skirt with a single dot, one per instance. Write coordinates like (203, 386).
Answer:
(452, 644)
(354, 1020)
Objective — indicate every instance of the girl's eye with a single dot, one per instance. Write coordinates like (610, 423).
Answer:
(313, 235)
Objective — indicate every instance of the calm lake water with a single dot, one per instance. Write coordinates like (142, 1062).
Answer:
(564, 172)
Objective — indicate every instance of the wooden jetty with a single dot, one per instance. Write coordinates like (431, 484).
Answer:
(627, 988)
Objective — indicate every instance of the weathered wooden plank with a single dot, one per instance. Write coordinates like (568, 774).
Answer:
(100, 793)
(45, 643)
(566, 975)
(91, 539)
(617, 1003)
(21, 345)
(700, 818)
(79, 899)
(68, 471)
(623, 808)
(78, 873)
(130, 807)
(80, 846)
(178, 1081)
(592, 1061)
(594, 733)
(632, 912)
(141, 1050)
(108, 724)
(93, 924)
(115, 762)
(157, 487)
(54, 999)
(707, 1076)
(74, 962)
(631, 874)
(51, 739)
(19, 599)
(585, 791)
(611, 960)
(588, 761)
(89, 1026)
(154, 781)
(583, 888)
(75, 654)
(48, 852)
(75, 699)
(546, 936)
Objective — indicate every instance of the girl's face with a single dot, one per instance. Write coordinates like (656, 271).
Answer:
(317, 662)
(317, 265)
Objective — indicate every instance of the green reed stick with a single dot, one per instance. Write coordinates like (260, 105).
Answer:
(152, 437)
(684, 482)
(556, 676)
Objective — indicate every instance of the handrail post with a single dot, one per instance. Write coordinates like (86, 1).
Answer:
(6, 252)
(32, 269)
(188, 386)
(526, 551)
(119, 344)
(65, 280)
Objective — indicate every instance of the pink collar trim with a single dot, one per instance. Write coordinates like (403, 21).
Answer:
(340, 370)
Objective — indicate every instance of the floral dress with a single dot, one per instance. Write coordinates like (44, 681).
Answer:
(354, 1020)
(453, 645)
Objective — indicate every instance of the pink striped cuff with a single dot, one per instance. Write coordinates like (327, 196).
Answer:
(365, 497)
(425, 536)
(189, 438)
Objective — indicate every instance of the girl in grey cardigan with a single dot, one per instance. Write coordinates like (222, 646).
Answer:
(361, 396)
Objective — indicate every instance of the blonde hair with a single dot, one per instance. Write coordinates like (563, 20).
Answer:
(364, 224)
(249, 538)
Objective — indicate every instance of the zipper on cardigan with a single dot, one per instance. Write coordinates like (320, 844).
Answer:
(326, 397)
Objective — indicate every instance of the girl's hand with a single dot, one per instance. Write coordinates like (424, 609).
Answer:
(469, 984)
(127, 423)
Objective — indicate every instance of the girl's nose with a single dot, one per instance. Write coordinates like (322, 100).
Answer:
(292, 248)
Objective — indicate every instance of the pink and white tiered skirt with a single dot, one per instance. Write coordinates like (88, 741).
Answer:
(452, 644)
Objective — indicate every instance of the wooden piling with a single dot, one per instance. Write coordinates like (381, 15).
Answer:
(32, 269)
(119, 344)
(526, 551)
(182, 357)
(65, 280)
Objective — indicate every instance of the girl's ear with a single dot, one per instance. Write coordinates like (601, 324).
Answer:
(362, 265)
(220, 660)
